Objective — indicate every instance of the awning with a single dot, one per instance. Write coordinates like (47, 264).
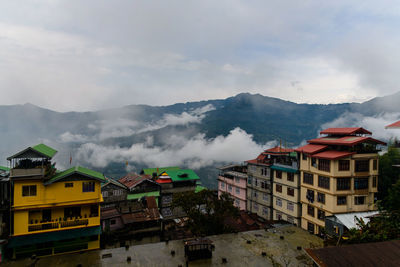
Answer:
(279, 168)
(26, 240)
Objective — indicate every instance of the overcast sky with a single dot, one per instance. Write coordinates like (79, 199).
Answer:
(89, 55)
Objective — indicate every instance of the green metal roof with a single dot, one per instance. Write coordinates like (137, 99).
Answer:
(140, 195)
(26, 240)
(77, 170)
(182, 175)
(4, 168)
(45, 150)
(200, 188)
(41, 150)
(279, 168)
(150, 171)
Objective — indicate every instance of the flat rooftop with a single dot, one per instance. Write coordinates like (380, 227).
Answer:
(241, 249)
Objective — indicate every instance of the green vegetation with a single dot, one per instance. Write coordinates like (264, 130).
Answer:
(205, 211)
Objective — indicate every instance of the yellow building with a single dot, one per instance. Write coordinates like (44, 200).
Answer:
(52, 212)
(339, 174)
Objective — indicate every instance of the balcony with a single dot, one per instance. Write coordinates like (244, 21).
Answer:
(27, 172)
(56, 225)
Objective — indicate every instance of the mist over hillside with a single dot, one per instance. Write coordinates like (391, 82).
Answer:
(199, 135)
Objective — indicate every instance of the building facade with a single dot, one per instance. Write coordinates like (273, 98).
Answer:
(232, 179)
(52, 212)
(286, 204)
(339, 174)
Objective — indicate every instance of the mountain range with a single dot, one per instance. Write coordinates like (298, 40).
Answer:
(200, 135)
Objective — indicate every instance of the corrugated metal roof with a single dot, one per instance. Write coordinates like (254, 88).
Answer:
(345, 131)
(348, 219)
(332, 154)
(345, 140)
(77, 170)
(311, 149)
(393, 125)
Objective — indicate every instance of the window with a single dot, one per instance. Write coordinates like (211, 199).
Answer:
(117, 192)
(290, 191)
(255, 206)
(341, 200)
(265, 172)
(237, 190)
(105, 193)
(278, 174)
(279, 202)
(290, 177)
(290, 219)
(310, 227)
(362, 165)
(237, 203)
(28, 190)
(321, 198)
(255, 194)
(229, 188)
(88, 187)
(256, 182)
(359, 200)
(278, 188)
(324, 165)
(308, 178)
(374, 181)
(310, 210)
(360, 183)
(265, 197)
(314, 162)
(344, 165)
(321, 215)
(69, 184)
(304, 156)
(264, 210)
(290, 206)
(263, 185)
(343, 183)
(94, 210)
(237, 180)
(222, 185)
(323, 182)
(375, 165)
(249, 180)
(72, 212)
(310, 195)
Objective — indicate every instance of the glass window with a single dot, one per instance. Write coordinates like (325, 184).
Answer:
(237, 180)
(308, 178)
(290, 191)
(265, 197)
(105, 193)
(324, 165)
(69, 184)
(321, 198)
(323, 182)
(28, 190)
(279, 202)
(375, 164)
(343, 183)
(278, 188)
(360, 183)
(290, 177)
(304, 156)
(341, 200)
(237, 203)
(222, 185)
(264, 210)
(290, 206)
(321, 215)
(255, 206)
(249, 180)
(229, 188)
(344, 165)
(237, 190)
(362, 165)
(374, 181)
(359, 200)
(310, 210)
(278, 174)
(88, 187)
(310, 195)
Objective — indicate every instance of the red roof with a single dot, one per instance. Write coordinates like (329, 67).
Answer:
(278, 149)
(345, 140)
(132, 179)
(164, 181)
(110, 213)
(150, 213)
(393, 125)
(311, 149)
(345, 131)
(332, 154)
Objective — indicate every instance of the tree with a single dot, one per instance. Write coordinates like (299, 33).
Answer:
(206, 211)
(388, 175)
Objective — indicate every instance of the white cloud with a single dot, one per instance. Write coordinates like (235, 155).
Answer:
(194, 153)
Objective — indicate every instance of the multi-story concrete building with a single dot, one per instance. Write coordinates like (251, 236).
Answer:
(232, 179)
(286, 185)
(339, 174)
(52, 212)
(259, 184)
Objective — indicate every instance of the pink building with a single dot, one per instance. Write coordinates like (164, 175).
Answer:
(232, 179)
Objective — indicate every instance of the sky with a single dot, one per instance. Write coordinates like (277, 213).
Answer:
(99, 54)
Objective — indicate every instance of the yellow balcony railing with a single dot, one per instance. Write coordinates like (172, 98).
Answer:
(56, 225)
